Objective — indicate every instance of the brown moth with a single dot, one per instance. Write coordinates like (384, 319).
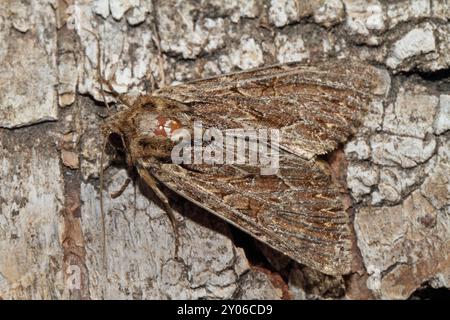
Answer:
(298, 211)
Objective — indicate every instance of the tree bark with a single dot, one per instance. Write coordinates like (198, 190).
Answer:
(51, 109)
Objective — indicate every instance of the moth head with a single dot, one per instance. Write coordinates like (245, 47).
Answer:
(149, 129)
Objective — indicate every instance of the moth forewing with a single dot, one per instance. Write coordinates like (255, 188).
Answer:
(308, 225)
(298, 209)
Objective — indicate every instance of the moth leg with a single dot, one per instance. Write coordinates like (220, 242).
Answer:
(118, 193)
(150, 181)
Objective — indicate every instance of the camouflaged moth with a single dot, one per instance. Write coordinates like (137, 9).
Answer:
(299, 210)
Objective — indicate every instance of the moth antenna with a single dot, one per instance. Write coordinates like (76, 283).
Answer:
(102, 80)
(157, 41)
(102, 156)
(102, 209)
(120, 97)
(98, 67)
(152, 80)
(135, 199)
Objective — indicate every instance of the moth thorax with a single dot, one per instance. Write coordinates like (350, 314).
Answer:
(166, 126)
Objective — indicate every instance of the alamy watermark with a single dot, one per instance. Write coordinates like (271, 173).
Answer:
(255, 147)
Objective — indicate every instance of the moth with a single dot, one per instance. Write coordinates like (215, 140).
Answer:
(299, 210)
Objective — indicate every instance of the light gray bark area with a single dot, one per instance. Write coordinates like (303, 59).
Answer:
(51, 236)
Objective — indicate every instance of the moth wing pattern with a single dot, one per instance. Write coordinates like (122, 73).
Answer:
(298, 211)
(315, 107)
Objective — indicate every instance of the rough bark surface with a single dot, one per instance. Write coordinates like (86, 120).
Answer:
(397, 166)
